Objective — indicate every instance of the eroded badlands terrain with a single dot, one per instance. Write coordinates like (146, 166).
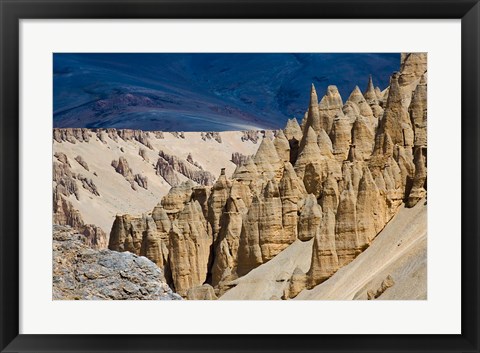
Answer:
(331, 207)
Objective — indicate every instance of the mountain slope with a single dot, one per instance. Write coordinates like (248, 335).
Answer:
(201, 92)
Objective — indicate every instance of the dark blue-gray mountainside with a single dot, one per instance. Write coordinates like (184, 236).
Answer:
(202, 92)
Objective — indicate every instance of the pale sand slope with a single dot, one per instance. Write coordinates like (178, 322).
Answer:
(116, 194)
(400, 251)
(272, 278)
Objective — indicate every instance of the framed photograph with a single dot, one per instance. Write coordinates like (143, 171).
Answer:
(239, 176)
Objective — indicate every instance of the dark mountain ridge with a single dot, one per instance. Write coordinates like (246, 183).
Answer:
(201, 92)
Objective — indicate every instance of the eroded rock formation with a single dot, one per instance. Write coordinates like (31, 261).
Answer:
(142, 152)
(195, 173)
(211, 135)
(71, 135)
(121, 167)
(74, 135)
(82, 162)
(65, 185)
(250, 135)
(239, 159)
(335, 180)
(166, 171)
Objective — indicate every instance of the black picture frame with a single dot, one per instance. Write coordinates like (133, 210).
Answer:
(13, 10)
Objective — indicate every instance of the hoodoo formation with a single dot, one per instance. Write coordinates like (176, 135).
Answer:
(330, 184)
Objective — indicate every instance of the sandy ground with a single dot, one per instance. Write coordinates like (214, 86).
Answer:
(116, 194)
(400, 251)
(270, 279)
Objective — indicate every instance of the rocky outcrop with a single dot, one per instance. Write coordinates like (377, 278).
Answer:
(370, 210)
(418, 112)
(192, 162)
(293, 130)
(62, 157)
(270, 225)
(137, 135)
(166, 171)
(178, 135)
(191, 172)
(95, 237)
(83, 135)
(64, 213)
(156, 241)
(211, 136)
(292, 191)
(267, 160)
(370, 94)
(81, 273)
(412, 67)
(373, 96)
(293, 133)
(158, 134)
(313, 113)
(127, 233)
(309, 219)
(396, 120)
(88, 184)
(142, 152)
(121, 167)
(247, 173)
(226, 250)
(329, 108)
(250, 135)
(324, 254)
(282, 146)
(189, 248)
(309, 153)
(419, 184)
(341, 137)
(362, 108)
(298, 282)
(177, 198)
(239, 159)
(71, 135)
(386, 283)
(217, 200)
(363, 137)
(249, 252)
(346, 234)
(203, 292)
(74, 135)
(82, 162)
(262, 236)
(64, 180)
(141, 180)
